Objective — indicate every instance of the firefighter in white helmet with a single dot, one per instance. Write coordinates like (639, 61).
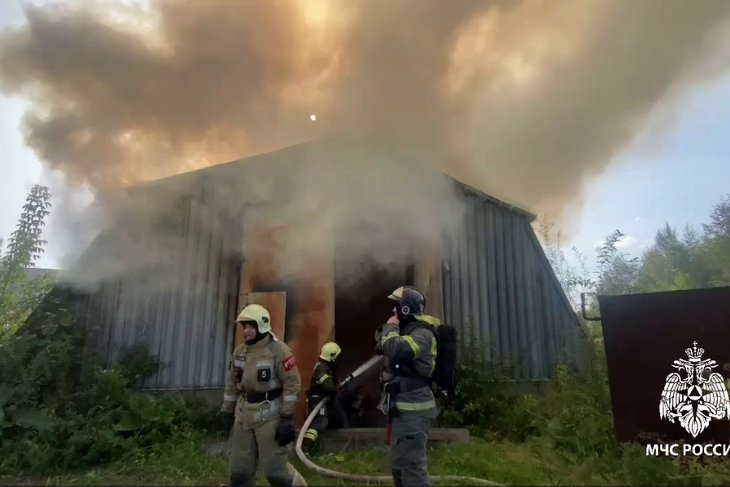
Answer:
(323, 384)
(261, 392)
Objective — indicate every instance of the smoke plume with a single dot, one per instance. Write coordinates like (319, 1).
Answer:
(527, 101)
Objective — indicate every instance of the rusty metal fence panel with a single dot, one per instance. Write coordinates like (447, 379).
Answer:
(644, 334)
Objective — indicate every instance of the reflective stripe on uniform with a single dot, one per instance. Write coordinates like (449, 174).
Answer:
(239, 363)
(390, 335)
(290, 398)
(230, 397)
(434, 349)
(429, 320)
(408, 339)
(414, 346)
(416, 406)
(323, 378)
(312, 434)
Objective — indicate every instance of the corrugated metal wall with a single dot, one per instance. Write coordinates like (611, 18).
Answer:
(500, 291)
(185, 317)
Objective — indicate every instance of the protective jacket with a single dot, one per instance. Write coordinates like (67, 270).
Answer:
(410, 351)
(263, 382)
(324, 381)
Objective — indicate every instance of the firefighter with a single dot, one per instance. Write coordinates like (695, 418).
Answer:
(410, 352)
(260, 399)
(323, 384)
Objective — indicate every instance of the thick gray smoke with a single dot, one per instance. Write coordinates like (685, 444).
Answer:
(527, 101)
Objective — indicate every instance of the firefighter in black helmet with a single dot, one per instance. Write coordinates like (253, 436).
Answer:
(410, 351)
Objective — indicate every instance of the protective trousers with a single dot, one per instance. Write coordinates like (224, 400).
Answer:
(249, 446)
(332, 415)
(408, 443)
(318, 424)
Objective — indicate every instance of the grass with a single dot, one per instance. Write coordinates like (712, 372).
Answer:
(532, 462)
(562, 438)
(184, 463)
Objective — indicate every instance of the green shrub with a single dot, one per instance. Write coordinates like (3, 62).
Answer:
(137, 364)
(49, 420)
(577, 416)
(485, 405)
(573, 422)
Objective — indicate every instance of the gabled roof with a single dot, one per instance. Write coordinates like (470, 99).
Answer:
(256, 163)
(289, 157)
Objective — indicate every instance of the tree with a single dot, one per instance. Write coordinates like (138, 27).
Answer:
(719, 226)
(572, 280)
(617, 272)
(19, 294)
(671, 263)
(715, 251)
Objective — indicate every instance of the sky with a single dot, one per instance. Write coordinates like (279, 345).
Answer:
(674, 172)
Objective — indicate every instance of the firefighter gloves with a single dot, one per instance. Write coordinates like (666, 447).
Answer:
(285, 432)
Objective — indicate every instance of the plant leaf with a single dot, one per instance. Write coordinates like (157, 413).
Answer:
(129, 422)
(5, 393)
(32, 418)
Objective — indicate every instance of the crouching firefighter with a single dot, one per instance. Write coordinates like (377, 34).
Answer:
(260, 397)
(323, 384)
(408, 400)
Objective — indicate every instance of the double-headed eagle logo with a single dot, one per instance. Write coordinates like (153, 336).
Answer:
(699, 397)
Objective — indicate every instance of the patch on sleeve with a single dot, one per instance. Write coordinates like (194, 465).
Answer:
(289, 363)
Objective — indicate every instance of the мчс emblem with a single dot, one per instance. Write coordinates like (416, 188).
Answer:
(697, 398)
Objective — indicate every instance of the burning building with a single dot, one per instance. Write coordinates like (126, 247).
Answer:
(321, 249)
(486, 92)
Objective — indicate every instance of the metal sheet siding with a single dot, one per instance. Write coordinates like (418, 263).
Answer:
(185, 322)
(500, 291)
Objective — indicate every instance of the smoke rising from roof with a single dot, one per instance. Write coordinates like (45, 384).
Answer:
(527, 101)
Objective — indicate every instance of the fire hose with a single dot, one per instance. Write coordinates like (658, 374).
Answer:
(382, 479)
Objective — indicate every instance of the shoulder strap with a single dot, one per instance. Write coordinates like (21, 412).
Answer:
(240, 350)
(273, 341)
(429, 327)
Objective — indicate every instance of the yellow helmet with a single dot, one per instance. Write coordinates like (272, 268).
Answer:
(257, 314)
(330, 351)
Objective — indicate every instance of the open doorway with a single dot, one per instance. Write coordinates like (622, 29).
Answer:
(361, 306)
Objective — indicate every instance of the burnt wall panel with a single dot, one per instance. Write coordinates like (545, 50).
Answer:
(274, 263)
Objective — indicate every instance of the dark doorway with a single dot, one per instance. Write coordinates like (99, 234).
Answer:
(361, 306)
